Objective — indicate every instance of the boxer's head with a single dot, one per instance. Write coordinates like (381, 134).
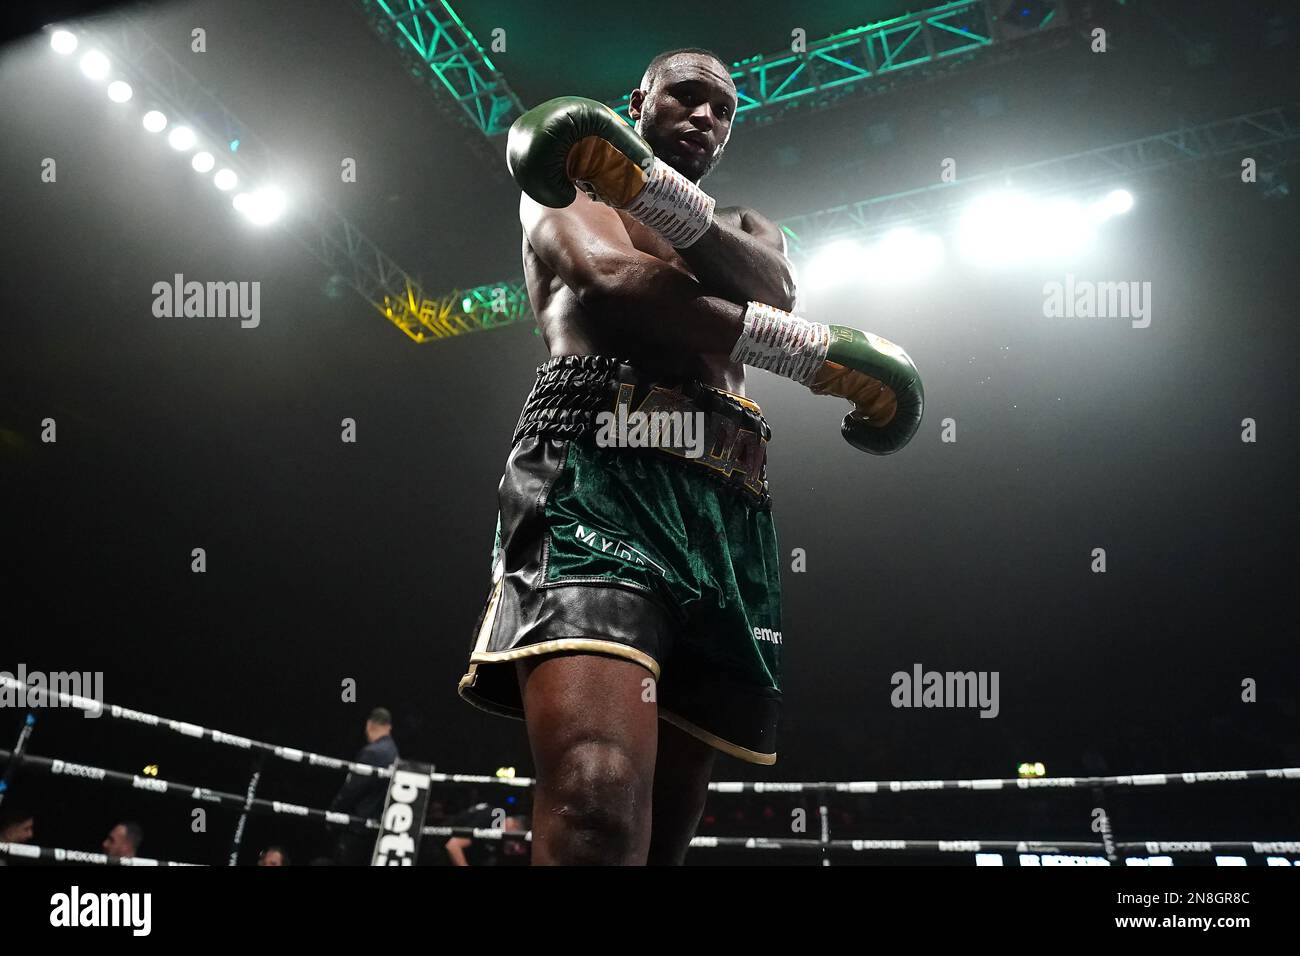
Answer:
(686, 97)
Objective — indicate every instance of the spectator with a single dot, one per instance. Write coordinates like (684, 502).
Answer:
(16, 826)
(273, 856)
(466, 851)
(123, 841)
(363, 796)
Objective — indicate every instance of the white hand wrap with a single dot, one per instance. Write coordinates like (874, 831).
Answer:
(783, 343)
(680, 210)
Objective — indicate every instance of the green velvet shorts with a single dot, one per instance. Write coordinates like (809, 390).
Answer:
(663, 560)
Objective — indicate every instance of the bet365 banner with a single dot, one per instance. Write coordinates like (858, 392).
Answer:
(403, 817)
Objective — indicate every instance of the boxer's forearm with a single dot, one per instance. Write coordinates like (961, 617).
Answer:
(742, 268)
(662, 306)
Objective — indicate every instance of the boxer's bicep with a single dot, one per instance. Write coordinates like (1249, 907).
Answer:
(585, 244)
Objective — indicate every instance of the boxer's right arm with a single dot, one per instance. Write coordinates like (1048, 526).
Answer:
(587, 246)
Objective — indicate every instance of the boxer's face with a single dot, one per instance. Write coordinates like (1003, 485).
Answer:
(686, 115)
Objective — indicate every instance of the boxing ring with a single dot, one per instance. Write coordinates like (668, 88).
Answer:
(820, 848)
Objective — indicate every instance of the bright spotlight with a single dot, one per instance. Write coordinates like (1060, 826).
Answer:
(1120, 201)
(262, 207)
(1009, 229)
(225, 180)
(181, 139)
(835, 263)
(61, 41)
(119, 91)
(992, 228)
(1117, 203)
(1061, 229)
(202, 162)
(154, 121)
(904, 254)
(95, 65)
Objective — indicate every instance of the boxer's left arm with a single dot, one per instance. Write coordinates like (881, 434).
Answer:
(571, 143)
(742, 258)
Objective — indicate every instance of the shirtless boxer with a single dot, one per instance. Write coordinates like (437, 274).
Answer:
(634, 618)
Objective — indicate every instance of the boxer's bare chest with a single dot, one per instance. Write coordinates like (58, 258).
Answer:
(569, 330)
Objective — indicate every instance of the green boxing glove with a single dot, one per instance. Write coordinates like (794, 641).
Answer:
(873, 373)
(572, 143)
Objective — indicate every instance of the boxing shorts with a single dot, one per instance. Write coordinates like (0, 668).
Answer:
(663, 555)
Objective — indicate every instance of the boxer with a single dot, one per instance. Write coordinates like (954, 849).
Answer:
(634, 616)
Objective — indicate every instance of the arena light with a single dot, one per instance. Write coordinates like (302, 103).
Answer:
(1008, 228)
(154, 121)
(225, 180)
(1061, 229)
(993, 227)
(261, 207)
(835, 263)
(203, 161)
(1115, 203)
(181, 139)
(903, 255)
(95, 65)
(61, 41)
(119, 91)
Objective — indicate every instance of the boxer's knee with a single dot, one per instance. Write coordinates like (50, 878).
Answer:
(600, 800)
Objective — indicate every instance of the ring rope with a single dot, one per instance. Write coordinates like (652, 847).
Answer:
(295, 755)
(185, 729)
(1010, 783)
(28, 851)
(82, 771)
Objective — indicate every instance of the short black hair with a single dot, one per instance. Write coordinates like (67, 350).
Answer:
(13, 814)
(382, 716)
(134, 833)
(651, 75)
(273, 848)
